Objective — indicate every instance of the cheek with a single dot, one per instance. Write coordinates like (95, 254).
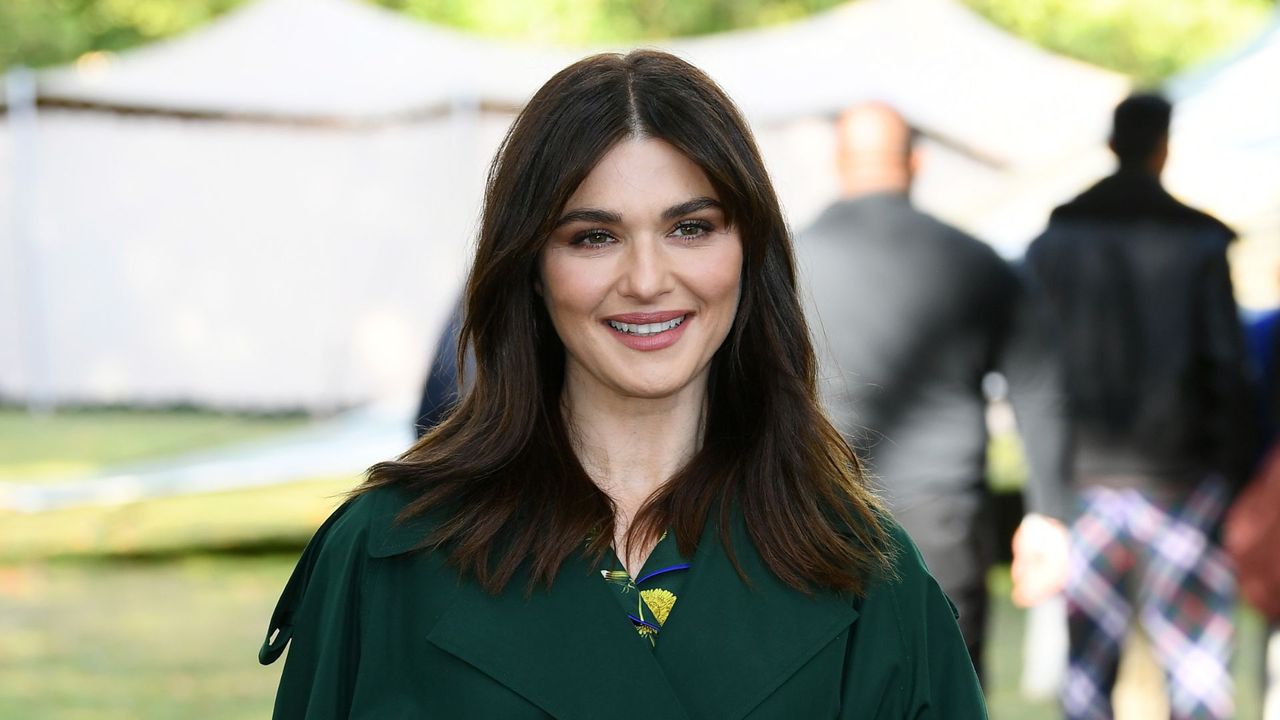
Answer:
(567, 288)
(722, 279)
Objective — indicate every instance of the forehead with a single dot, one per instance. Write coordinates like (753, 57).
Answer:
(641, 174)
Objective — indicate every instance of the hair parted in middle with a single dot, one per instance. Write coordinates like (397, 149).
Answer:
(500, 472)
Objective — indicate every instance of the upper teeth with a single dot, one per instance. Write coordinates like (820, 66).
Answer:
(646, 329)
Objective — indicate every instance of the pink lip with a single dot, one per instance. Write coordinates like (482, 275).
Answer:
(648, 317)
(657, 341)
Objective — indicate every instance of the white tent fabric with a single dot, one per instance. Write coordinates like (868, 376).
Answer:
(1225, 154)
(951, 72)
(310, 58)
(278, 211)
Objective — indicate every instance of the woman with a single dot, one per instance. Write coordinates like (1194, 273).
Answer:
(638, 508)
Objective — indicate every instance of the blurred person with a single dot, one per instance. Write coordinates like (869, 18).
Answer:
(915, 314)
(440, 389)
(1142, 298)
(1262, 339)
(637, 508)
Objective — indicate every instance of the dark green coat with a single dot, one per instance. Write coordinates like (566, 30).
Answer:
(380, 632)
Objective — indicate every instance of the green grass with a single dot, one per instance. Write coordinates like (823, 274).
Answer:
(136, 640)
(35, 448)
(1004, 659)
(176, 637)
(124, 612)
(256, 517)
(1006, 463)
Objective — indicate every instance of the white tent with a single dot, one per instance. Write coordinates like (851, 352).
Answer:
(309, 59)
(274, 210)
(1225, 155)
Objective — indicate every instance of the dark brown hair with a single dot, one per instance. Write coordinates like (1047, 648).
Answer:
(500, 472)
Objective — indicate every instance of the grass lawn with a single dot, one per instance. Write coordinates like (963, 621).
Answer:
(125, 611)
(34, 449)
(177, 636)
(174, 638)
(156, 609)
(73, 442)
(277, 515)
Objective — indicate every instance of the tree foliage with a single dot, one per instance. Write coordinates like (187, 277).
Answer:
(1148, 39)
(606, 21)
(48, 32)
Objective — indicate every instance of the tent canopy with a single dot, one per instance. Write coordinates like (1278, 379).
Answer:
(302, 243)
(949, 71)
(1225, 154)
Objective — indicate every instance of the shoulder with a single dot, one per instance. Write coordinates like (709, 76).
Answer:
(909, 625)
(333, 568)
(909, 600)
(370, 524)
(910, 575)
(905, 580)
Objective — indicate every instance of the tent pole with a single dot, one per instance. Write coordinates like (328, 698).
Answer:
(20, 91)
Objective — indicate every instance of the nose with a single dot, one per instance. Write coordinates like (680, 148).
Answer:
(646, 271)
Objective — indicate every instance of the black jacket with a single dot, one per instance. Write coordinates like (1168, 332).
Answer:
(1152, 344)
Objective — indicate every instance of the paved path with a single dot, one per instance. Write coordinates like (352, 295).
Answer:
(344, 445)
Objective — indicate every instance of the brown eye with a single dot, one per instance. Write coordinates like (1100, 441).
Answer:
(692, 229)
(592, 238)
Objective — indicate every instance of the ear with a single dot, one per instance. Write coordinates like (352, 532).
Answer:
(915, 160)
(1160, 155)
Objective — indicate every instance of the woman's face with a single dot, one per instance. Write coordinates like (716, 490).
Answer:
(641, 274)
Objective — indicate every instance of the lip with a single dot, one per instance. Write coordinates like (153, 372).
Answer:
(644, 318)
(649, 343)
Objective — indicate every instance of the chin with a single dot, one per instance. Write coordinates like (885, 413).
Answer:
(655, 389)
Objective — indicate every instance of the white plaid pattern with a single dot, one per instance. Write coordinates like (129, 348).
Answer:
(1182, 585)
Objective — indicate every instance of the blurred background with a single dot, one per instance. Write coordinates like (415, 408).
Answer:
(231, 232)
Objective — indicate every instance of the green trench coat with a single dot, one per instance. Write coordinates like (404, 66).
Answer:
(378, 631)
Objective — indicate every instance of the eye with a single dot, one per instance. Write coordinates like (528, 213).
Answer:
(692, 229)
(592, 238)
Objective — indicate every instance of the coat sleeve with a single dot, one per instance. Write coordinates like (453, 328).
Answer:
(1030, 360)
(318, 617)
(919, 648)
(1230, 420)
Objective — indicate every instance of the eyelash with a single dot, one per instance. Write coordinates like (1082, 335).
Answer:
(704, 227)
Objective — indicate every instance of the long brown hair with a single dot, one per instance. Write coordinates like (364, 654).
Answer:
(500, 472)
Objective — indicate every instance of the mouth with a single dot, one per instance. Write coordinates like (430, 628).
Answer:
(647, 328)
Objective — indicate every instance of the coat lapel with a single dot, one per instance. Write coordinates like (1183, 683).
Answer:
(727, 645)
(570, 650)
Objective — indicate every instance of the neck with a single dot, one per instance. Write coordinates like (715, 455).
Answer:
(1138, 168)
(855, 185)
(630, 447)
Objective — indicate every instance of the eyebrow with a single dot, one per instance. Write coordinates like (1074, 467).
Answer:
(607, 217)
(689, 206)
(591, 215)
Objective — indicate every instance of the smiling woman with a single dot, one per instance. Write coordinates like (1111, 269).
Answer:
(638, 508)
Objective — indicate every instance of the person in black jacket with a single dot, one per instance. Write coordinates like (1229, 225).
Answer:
(913, 314)
(1155, 374)
(440, 389)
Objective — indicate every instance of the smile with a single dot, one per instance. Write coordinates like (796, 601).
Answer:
(647, 328)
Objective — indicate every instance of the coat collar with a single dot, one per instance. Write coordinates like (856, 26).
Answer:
(730, 644)
(570, 650)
